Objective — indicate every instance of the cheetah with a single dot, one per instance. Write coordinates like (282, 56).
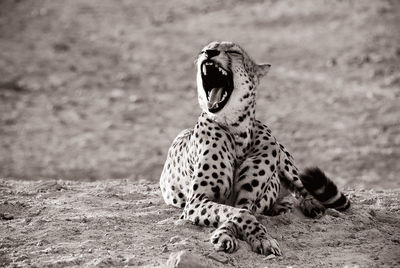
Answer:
(229, 168)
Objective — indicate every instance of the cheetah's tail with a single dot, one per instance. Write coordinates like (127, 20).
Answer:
(324, 189)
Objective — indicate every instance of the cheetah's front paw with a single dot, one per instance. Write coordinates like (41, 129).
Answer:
(224, 240)
(265, 246)
(261, 242)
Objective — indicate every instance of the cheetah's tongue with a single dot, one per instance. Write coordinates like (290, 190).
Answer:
(214, 97)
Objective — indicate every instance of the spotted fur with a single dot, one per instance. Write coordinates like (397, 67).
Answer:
(229, 167)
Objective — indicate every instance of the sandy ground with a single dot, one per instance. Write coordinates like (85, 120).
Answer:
(125, 223)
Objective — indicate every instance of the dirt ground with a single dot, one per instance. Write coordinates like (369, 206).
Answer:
(92, 94)
(125, 223)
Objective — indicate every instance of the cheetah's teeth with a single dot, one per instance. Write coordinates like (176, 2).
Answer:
(222, 71)
(204, 70)
(224, 96)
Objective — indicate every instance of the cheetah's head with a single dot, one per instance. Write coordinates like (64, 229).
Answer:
(226, 80)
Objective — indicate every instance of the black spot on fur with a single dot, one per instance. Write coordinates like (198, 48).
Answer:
(257, 161)
(242, 201)
(272, 167)
(254, 183)
(243, 170)
(247, 187)
(215, 189)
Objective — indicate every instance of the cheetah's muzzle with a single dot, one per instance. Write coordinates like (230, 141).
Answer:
(217, 83)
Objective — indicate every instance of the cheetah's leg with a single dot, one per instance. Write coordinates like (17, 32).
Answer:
(174, 183)
(288, 173)
(257, 182)
(275, 205)
(256, 190)
(269, 203)
(252, 231)
(284, 204)
(232, 222)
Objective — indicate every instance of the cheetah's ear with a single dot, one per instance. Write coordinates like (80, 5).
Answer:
(262, 69)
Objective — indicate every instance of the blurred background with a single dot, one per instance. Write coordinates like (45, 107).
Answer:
(95, 89)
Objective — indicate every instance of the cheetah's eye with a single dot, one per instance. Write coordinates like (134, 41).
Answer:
(233, 52)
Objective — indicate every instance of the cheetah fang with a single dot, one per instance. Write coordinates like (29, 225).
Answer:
(229, 168)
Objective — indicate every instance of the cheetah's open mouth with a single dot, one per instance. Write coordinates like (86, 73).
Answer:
(217, 83)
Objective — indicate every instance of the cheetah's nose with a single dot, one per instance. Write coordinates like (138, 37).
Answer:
(211, 53)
